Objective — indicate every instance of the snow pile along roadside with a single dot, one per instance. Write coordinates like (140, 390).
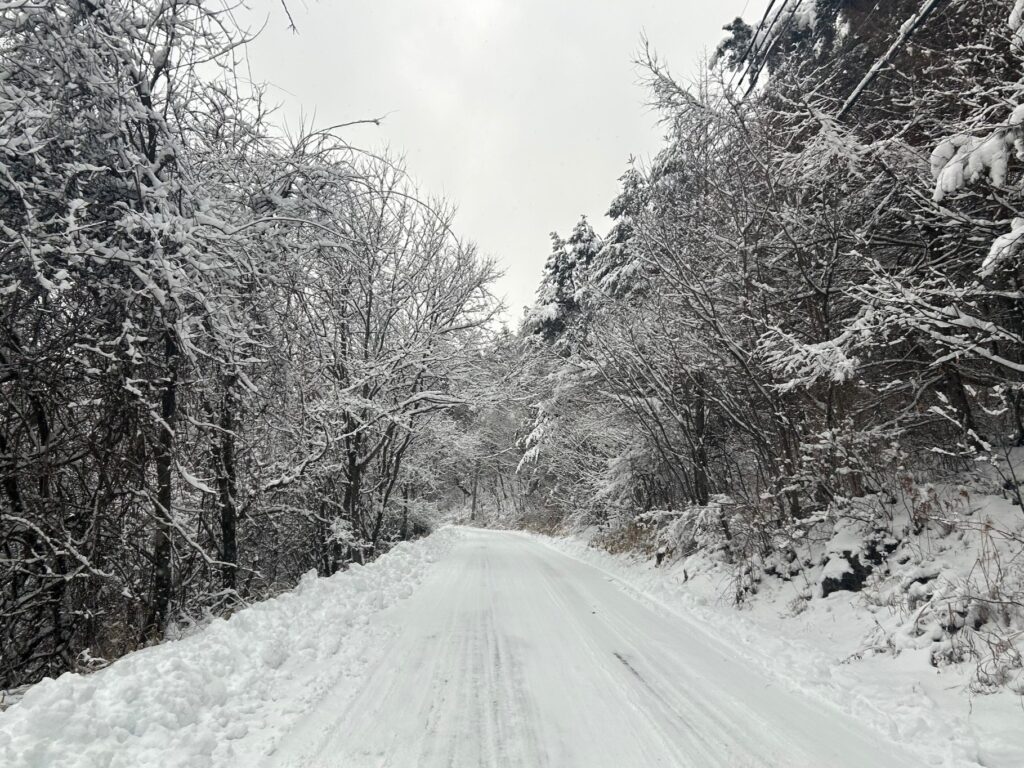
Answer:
(191, 702)
(819, 651)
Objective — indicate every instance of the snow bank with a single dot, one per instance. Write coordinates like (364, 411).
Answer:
(191, 702)
(823, 648)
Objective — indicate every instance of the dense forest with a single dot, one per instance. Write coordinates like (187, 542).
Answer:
(218, 341)
(231, 354)
(806, 322)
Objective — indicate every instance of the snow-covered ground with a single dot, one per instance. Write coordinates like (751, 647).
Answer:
(225, 695)
(824, 649)
(509, 652)
(512, 654)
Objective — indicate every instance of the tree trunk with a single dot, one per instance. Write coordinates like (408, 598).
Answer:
(700, 453)
(350, 502)
(163, 576)
(476, 482)
(405, 512)
(227, 483)
(960, 401)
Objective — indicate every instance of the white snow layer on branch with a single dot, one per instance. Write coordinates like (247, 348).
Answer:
(194, 481)
(544, 313)
(1005, 247)
(962, 159)
(1016, 24)
(806, 364)
(806, 15)
(801, 14)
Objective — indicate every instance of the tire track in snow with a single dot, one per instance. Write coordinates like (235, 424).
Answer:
(516, 655)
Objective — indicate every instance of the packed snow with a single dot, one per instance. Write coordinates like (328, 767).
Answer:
(513, 654)
(513, 649)
(857, 652)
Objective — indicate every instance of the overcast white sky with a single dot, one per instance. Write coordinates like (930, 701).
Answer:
(523, 113)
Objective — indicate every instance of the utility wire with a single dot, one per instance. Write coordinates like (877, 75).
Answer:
(753, 42)
(752, 80)
(906, 31)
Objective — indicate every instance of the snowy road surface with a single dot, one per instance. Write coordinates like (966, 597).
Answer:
(511, 654)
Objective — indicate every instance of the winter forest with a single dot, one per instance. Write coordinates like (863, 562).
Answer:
(232, 353)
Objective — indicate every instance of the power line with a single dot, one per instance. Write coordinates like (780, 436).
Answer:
(753, 41)
(906, 31)
(781, 33)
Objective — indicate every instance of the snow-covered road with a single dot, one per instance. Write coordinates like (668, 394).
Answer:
(512, 654)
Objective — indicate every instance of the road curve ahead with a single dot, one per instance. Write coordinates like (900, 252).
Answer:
(512, 654)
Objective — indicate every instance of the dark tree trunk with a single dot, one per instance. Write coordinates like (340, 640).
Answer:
(476, 483)
(163, 575)
(700, 453)
(958, 397)
(350, 502)
(227, 483)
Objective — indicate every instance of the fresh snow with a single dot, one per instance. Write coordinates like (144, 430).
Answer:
(224, 695)
(834, 650)
(513, 654)
(1003, 248)
(511, 650)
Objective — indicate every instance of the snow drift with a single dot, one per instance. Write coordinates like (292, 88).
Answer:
(189, 702)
